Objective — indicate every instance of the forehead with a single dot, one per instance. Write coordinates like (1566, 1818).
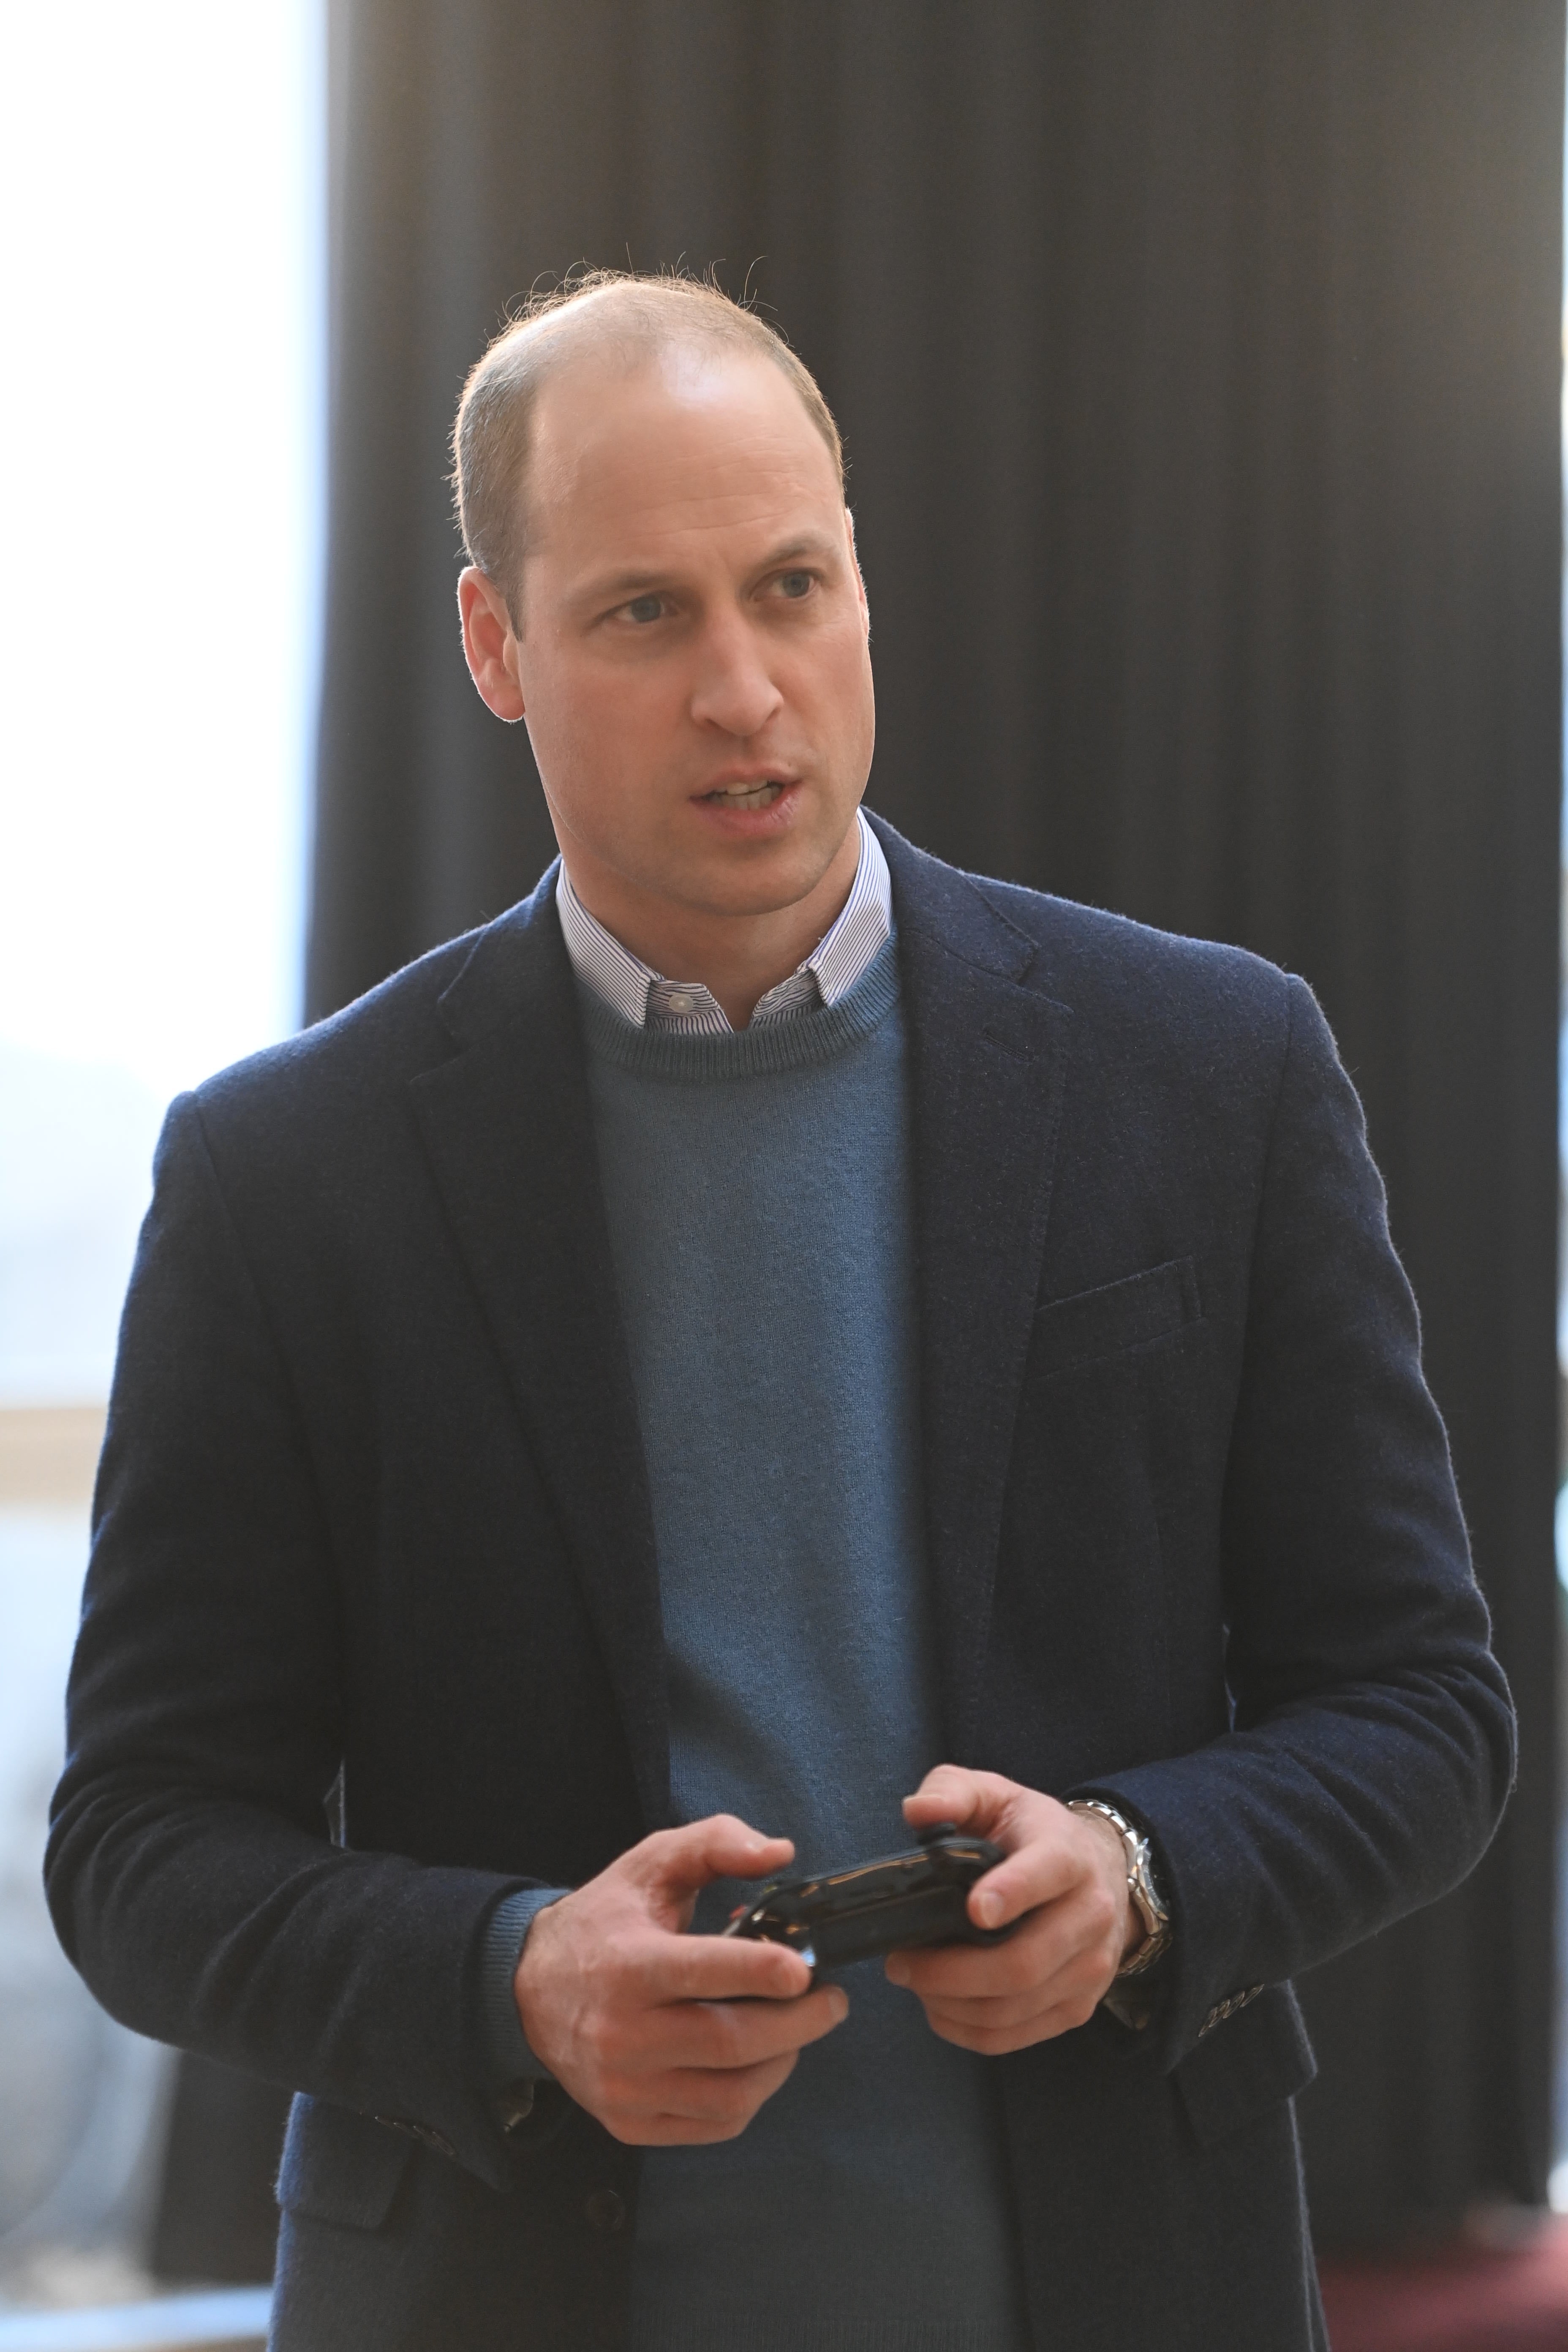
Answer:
(681, 440)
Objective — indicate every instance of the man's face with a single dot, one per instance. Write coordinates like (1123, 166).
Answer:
(694, 665)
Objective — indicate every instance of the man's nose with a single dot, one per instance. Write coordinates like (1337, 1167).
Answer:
(733, 690)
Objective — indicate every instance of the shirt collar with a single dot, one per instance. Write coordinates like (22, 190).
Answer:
(648, 1001)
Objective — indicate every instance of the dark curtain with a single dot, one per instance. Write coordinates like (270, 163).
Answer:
(1199, 369)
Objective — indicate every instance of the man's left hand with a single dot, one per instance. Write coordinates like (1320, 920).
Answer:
(1066, 1871)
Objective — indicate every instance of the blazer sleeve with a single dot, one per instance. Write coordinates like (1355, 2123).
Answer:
(189, 1868)
(1373, 1741)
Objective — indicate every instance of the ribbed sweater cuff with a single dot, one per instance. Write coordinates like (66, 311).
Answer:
(506, 2044)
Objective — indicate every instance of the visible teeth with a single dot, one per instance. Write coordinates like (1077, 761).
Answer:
(748, 795)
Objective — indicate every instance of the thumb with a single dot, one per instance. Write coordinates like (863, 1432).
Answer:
(678, 1864)
(952, 1792)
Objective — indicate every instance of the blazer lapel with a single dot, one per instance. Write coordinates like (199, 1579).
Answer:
(988, 1064)
(509, 1130)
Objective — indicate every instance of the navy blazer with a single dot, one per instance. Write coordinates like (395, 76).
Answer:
(373, 1505)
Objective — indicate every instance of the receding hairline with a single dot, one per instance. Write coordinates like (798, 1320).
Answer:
(622, 321)
(566, 387)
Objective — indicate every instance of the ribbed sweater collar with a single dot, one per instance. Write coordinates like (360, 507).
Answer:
(791, 1044)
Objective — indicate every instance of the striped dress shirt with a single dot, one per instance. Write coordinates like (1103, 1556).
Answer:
(648, 1001)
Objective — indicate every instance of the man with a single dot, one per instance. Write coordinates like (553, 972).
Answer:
(770, 1331)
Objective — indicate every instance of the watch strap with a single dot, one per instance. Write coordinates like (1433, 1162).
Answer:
(1141, 1886)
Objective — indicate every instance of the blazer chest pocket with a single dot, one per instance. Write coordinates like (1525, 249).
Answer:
(340, 2166)
(1094, 1324)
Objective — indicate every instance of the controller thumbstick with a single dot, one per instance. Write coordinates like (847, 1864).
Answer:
(938, 1830)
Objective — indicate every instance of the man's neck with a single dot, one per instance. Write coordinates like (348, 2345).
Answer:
(737, 958)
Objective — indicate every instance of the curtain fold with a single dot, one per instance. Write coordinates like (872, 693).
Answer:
(1199, 372)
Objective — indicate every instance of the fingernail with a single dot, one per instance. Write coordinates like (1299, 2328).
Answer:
(839, 2004)
(989, 1908)
(897, 1969)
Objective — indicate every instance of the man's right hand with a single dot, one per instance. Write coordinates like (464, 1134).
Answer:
(669, 2038)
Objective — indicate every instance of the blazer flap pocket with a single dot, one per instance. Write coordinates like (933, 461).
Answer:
(339, 2166)
(1121, 1315)
(1248, 2065)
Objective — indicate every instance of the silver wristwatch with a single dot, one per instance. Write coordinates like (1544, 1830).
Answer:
(1141, 1887)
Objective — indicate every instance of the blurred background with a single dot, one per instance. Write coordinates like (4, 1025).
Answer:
(1200, 363)
(162, 217)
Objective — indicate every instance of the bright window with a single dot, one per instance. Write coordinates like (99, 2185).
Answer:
(162, 225)
(159, 191)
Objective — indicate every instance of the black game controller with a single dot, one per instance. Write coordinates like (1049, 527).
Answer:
(879, 1906)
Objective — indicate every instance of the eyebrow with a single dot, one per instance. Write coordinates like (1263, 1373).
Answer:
(617, 586)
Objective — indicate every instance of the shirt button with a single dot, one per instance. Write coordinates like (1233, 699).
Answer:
(604, 2209)
(681, 1001)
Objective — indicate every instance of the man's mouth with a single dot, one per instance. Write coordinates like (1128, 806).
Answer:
(760, 795)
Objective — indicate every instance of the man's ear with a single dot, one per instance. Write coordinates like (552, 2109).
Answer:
(859, 575)
(488, 642)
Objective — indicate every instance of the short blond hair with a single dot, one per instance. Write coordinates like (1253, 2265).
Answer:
(612, 311)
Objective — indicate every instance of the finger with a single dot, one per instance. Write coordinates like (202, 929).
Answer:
(996, 2041)
(663, 2131)
(1062, 2010)
(735, 2035)
(1049, 1868)
(679, 1862)
(1005, 2009)
(1081, 1987)
(1059, 1870)
(1039, 1856)
(1043, 1843)
(718, 1968)
(725, 2096)
(1037, 1949)
(952, 1792)
(663, 2126)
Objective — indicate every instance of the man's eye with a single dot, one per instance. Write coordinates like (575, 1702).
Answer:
(645, 608)
(795, 584)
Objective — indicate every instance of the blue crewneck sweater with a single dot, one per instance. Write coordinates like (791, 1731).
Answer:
(759, 1197)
